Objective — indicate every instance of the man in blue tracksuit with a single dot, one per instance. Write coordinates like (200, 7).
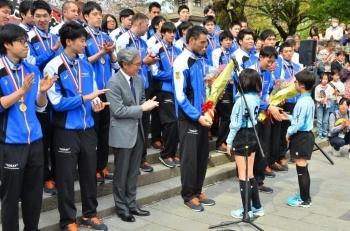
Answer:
(44, 46)
(21, 156)
(162, 75)
(132, 38)
(193, 126)
(74, 97)
(209, 23)
(100, 53)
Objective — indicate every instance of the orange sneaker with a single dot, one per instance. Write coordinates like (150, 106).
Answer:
(71, 227)
(268, 172)
(158, 145)
(50, 188)
(205, 200)
(176, 160)
(99, 178)
(106, 174)
(94, 223)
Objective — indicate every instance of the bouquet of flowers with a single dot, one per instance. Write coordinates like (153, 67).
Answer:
(214, 84)
(282, 90)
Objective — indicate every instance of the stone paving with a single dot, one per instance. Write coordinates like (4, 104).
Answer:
(330, 210)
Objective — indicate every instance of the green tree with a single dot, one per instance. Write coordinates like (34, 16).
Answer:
(324, 9)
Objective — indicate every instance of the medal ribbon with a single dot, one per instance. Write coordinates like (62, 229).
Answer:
(9, 72)
(93, 38)
(171, 61)
(122, 29)
(291, 74)
(227, 57)
(212, 44)
(41, 40)
(137, 46)
(78, 84)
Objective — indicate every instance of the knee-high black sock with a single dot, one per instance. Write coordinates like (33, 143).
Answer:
(242, 188)
(304, 182)
(255, 193)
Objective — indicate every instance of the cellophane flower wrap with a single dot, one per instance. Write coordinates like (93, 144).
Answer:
(214, 84)
(282, 90)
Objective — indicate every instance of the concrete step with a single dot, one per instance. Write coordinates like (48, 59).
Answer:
(145, 195)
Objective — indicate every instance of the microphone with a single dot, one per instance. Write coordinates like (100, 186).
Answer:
(236, 66)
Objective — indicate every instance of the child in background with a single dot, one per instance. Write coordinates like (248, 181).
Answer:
(323, 93)
(236, 141)
(338, 91)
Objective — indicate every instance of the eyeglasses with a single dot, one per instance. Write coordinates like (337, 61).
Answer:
(21, 40)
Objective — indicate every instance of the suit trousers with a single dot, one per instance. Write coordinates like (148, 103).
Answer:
(194, 153)
(21, 177)
(168, 118)
(260, 162)
(101, 121)
(126, 172)
(145, 126)
(72, 148)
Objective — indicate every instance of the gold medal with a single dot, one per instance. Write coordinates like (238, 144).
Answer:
(22, 107)
(102, 60)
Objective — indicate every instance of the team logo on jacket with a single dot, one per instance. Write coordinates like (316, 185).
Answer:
(192, 131)
(177, 75)
(85, 74)
(11, 166)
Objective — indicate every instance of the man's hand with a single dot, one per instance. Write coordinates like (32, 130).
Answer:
(108, 47)
(331, 38)
(57, 45)
(46, 83)
(273, 67)
(27, 83)
(99, 106)
(150, 104)
(94, 94)
(275, 112)
(284, 116)
(149, 59)
(204, 121)
(219, 32)
(228, 150)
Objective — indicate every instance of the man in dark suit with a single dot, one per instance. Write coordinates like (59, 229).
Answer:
(127, 103)
(338, 63)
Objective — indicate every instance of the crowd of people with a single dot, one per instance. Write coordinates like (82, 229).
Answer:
(70, 92)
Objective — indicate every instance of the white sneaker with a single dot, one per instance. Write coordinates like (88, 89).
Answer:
(335, 152)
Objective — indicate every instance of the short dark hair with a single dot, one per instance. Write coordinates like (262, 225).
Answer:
(139, 17)
(323, 75)
(268, 51)
(8, 34)
(346, 100)
(156, 20)
(267, 33)
(154, 4)
(243, 33)
(124, 13)
(24, 7)
(90, 6)
(181, 8)
(168, 27)
(184, 26)
(208, 8)
(250, 81)
(306, 78)
(6, 3)
(341, 52)
(334, 72)
(40, 5)
(104, 22)
(207, 19)
(72, 31)
(224, 35)
(195, 32)
(291, 42)
(234, 23)
(284, 45)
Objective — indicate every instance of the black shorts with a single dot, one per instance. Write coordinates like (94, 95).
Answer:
(240, 142)
(302, 145)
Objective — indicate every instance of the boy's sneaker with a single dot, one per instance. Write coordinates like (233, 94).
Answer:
(222, 148)
(278, 168)
(194, 205)
(99, 178)
(320, 137)
(94, 223)
(336, 152)
(168, 162)
(264, 189)
(50, 188)
(107, 175)
(71, 227)
(296, 201)
(176, 160)
(158, 145)
(146, 167)
(239, 213)
(268, 172)
(258, 212)
(205, 200)
(283, 162)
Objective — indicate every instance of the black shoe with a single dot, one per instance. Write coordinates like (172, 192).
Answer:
(157, 146)
(126, 217)
(146, 167)
(140, 212)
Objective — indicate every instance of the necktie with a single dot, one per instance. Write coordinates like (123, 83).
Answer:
(132, 87)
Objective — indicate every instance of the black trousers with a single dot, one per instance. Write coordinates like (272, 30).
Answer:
(21, 177)
(168, 120)
(275, 136)
(47, 130)
(126, 172)
(260, 161)
(194, 153)
(101, 121)
(72, 148)
(224, 109)
(156, 125)
(283, 144)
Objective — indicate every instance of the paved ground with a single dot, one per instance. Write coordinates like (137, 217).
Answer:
(330, 191)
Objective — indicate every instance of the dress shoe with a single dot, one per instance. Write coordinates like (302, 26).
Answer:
(127, 217)
(139, 212)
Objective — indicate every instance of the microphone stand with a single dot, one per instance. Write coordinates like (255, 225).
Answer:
(247, 115)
